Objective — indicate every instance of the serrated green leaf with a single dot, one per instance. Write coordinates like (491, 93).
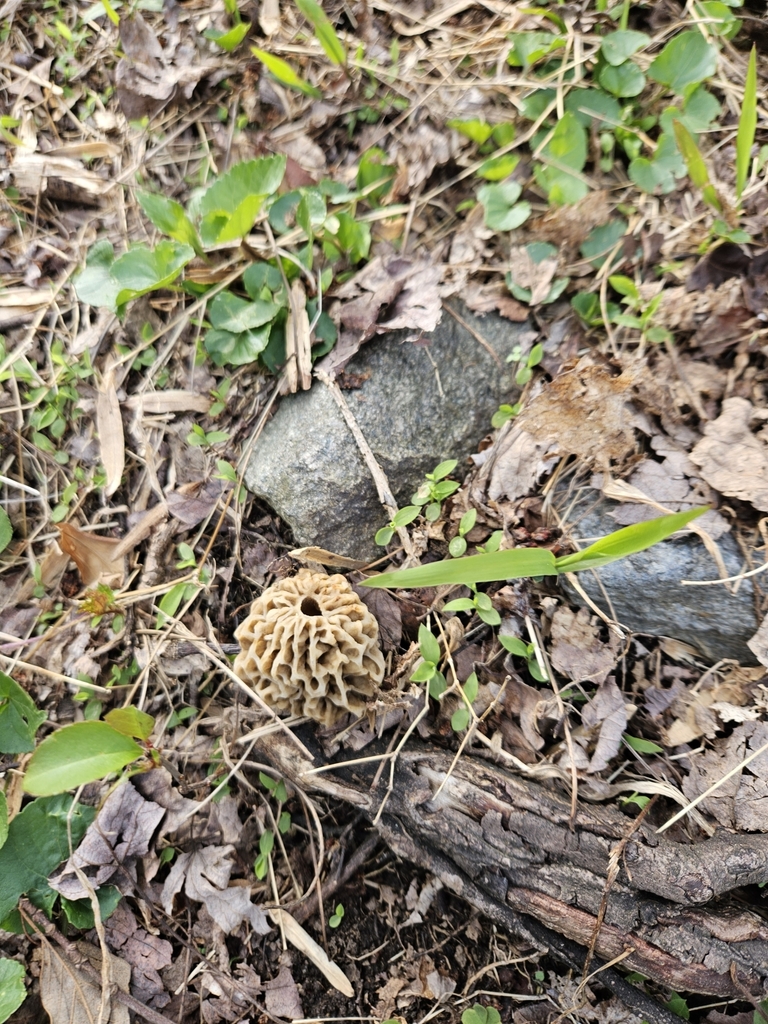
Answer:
(498, 565)
(284, 73)
(38, 841)
(131, 721)
(628, 541)
(169, 217)
(76, 754)
(19, 718)
(745, 135)
(428, 645)
(324, 30)
(12, 990)
(618, 46)
(686, 59)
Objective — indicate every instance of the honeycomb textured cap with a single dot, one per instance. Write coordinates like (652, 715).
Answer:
(309, 646)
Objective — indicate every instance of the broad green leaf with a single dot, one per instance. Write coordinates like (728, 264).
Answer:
(373, 168)
(502, 210)
(232, 203)
(499, 565)
(530, 47)
(618, 46)
(95, 285)
(626, 80)
(79, 913)
(311, 212)
(76, 754)
(460, 719)
(568, 143)
(694, 161)
(496, 168)
(406, 515)
(461, 604)
(354, 237)
(514, 645)
(562, 189)
(38, 841)
(471, 687)
(6, 530)
(443, 469)
(227, 349)
(428, 645)
(628, 541)
(12, 990)
(324, 31)
(661, 172)
(534, 105)
(593, 105)
(259, 276)
(228, 312)
(699, 112)
(19, 718)
(686, 59)
(143, 270)
(601, 240)
(230, 40)
(169, 217)
(131, 722)
(284, 73)
(747, 125)
(478, 131)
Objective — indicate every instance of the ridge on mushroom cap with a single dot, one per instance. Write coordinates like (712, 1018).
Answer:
(310, 646)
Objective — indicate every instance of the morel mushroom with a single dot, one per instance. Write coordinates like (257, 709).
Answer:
(310, 646)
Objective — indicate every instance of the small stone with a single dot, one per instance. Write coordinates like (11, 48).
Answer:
(418, 404)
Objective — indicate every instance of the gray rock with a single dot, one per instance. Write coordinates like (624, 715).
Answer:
(307, 466)
(645, 592)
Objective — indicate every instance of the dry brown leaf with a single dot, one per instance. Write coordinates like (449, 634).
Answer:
(281, 996)
(514, 466)
(741, 802)
(570, 225)
(577, 650)
(608, 710)
(109, 427)
(58, 177)
(304, 942)
(19, 304)
(269, 17)
(146, 954)
(298, 344)
(96, 558)
(732, 459)
(193, 502)
(70, 997)
(173, 401)
(536, 277)
(758, 643)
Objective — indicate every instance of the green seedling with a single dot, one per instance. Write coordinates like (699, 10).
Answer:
(219, 396)
(266, 845)
(462, 716)
(479, 603)
(198, 437)
(521, 649)
(187, 558)
(324, 30)
(337, 916)
(479, 1014)
(436, 489)
(634, 799)
(745, 136)
(504, 413)
(526, 364)
(642, 317)
(697, 169)
(458, 544)
(283, 73)
(521, 562)
(492, 544)
(401, 518)
(428, 671)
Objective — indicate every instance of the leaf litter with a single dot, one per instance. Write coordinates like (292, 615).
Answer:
(674, 426)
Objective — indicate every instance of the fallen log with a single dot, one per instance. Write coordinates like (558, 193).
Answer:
(600, 883)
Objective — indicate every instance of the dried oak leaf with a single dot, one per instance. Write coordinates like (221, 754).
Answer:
(309, 646)
(577, 650)
(732, 459)
(146, 954)
(741, 802)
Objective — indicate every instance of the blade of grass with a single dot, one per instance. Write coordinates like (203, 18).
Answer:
(284, 73)
(747, 125)
(628, 541)
(694, 161)
(499, 565)
(324, 31)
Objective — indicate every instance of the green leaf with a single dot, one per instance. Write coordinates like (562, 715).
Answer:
(230, 313)
(38, 841)
(405, 515)
(324, 31)
(428, 645)
(499, 565)
(6, 530)
(530, 47)
(284, 73)
(475, 130)
(471, 687)
(19, 718)
(460, 604)
(460, 719)
(457, 547)
(259, 276)
(497, 168)
(699, 112)
(468, 520)
(443, 469)
(601, 240)
(384, 536)
(169, 217)
(79, 913)
(641, 745)
(628, 541)
(514, 645)
(423, 672)
(131, 722)
(230, 206)
(230, 40)
(659, 173)
(311, 212)
(354, 237)
(568, 143)
(686, 59)
(624, 286)
(228, 349)
(95, 285)
(679, 1006)
(12, 990)
(76, 754)
(437, 686)
(618, 46)
(373, 168)
(502, 211)
(694, 161)
(626, 80)
(3, 819)
(141, 270)
(593, 105)
(747, 125)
